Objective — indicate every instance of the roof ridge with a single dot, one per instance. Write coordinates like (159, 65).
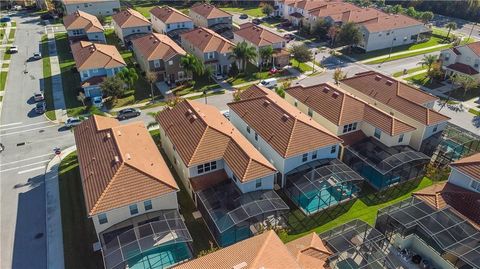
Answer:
(262, 248)
(198, 145)
(290, 138)
(93, 209)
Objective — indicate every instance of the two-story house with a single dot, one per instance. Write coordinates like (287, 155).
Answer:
(170, 21)
(220, 169)
(83, 26)
(411, 105)
(464, 60)
(466, 173)
(95, 7)
(129, 24)
(211, 48)
(332, 12)
(130, 194)
(259, 37)
(208, 16)
(159, 54)
(371, 137)
(95, 62)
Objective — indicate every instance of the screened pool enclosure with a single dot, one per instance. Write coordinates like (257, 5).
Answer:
(383, 166)
(233, 216)
(321, 184)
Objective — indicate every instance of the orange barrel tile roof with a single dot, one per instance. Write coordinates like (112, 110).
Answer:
(84, 1)
(130, 18)
(82, 20)
(201, 134)
(207, 40)
(397, 95)
(169, 14)
(341, 107)
(88, 55)
(258, 35)
(157, 46)
(262, 251)
(475, 47)
(334, 10)
(310, 252)
(209, 11)
(284, 127)
(119, 164)
(469, 165)
(390, 22)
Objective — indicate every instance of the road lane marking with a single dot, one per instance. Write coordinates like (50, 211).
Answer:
(29, 130)
(23, 166)
(31, 170)
(10, 124)
(25, 125)
(27, 159)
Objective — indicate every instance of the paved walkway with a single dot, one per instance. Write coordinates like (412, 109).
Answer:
(54, 234)
(400, 53)
(413, 74)
(57, 86)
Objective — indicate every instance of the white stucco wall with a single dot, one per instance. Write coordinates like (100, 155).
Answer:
(266, 182)
(160, 27)
(460, 179)
(385, 138)
(467, 57)
(386, 39)
(104, 8)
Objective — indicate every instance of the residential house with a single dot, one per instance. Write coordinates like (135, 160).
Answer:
(159, 54)
(128, 190)
(259, 38)
(287, 137)
(129, 24)
(266, 251)
(83, 26)
(95, 62)
(466, 173)
(208, 16)
(463, 60)
(411, 105)
(281, 7)
(170, 21)
(373, 138)
(298, 11)
(95, 7)
(219, 168)
(332, 12)
(211, 48)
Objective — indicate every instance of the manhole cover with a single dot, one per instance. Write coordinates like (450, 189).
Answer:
(39, 235)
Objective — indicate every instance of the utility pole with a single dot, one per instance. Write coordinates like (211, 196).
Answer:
(471, 30)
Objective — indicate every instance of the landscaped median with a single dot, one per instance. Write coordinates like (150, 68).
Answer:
(47, 80)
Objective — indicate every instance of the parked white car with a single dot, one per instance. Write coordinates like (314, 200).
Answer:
(72, 122)
(269, 83)
(97, 101)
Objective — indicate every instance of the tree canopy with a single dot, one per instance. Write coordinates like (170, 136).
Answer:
(301, 53)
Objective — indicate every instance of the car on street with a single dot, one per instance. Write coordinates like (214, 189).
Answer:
(244, 16)
(289, 37)
(40, 107)
(128, 113)
(5, 19)
(13, 49)
(72, 122)
(97, 101)
(38, 96)
(256, 21)
(46, 16)
(269, 83)
(37, 56)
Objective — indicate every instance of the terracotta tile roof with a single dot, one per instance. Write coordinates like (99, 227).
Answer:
(130, 18)
(88, 55)
(469, 165)
(340, 107)
(82, 20)
(296, 15)
(262, 251)
(309, 251)
(93, 81)
(169, 14)
(353, 137)
(207, 40)
(308, 5)
(209, 11)
(201, 134)
(360, 15)
(475, 47)
(333, 10)
(285, 128)
(397, 95)
(258, 35)
(208, 180)
(86, 1)
(116, 172)
(463, 68)
(444, 194)
(157, 46)
(390, 22)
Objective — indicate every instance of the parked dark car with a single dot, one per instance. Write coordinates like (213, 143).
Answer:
(46, 16)
(128, 113)
(244, 16)
(5, 19)
(289, 37)
(256, 21)
(40, 107)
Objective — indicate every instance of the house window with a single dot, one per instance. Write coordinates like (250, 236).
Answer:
(170, 62)
(258, 183)
(256, 137)
(314, 155)
(156, 63)
(310, 112)
(95, 70)
(168, 26)
(206, 167)
(85, 74)
(102, 218)
(133, 209)
(304, 157)
(296, 103)
(248, 129)
(435, 128)
(148, 205)
(475, 185)
(378, 133)
(234, 178)
(400, 138)
(349, 127)
(333, 149)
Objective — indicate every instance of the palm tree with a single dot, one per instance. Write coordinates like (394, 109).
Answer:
(244, 53)
(153, 123)
(265, 54)
(338, 75)
(450, 26)
(192, 64)
(428, 60)
(151, 78)
(129, 76)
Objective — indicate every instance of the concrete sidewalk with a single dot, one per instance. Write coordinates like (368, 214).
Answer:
(54, 233)
(57, 86)
(401, 53)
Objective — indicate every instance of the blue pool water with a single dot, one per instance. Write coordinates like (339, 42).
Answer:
(453, 147)
(317, 200)
(161, 257)
(376, 179)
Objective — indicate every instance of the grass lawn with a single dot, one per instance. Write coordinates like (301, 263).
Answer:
(474, 112)
(3, 80)
(7, 56)
(422, 79)
(144, 7)
(201, 84)
(409, 71)
(12, 34)
(302, 67)
(253, 73)
(272, 21)
(406, 55)
(254, 11)
(460, 94)
(364, 208)
(78, 230)
(47, 80)
(5, 65)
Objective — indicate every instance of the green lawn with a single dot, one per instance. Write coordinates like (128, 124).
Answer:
(47, 80)
(3, 80)
(422, 79)
(252, 73)
(78, 230)
(6, 55)
(250, 11)
(409, 71)
(474, 112)
(144, 7)
(364, 208)
(302, 67)
(201, 84)
(406, 55)
(11, 35)
(460, 94)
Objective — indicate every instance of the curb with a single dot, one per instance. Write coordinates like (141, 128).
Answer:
(54, 232)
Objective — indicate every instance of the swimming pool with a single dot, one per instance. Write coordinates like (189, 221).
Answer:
(234, 235)
(161, 257)
(315, 200)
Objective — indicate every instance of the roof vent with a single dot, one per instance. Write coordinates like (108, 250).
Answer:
(128, 156)
(326, 89)
(189, 112)
(193, 118)
(389, 82)
(378, 77)
(108, 135)
(285, 117)
(119, 133)
(116, 158)
(240, 265)
(335, 94)
(266, 103)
